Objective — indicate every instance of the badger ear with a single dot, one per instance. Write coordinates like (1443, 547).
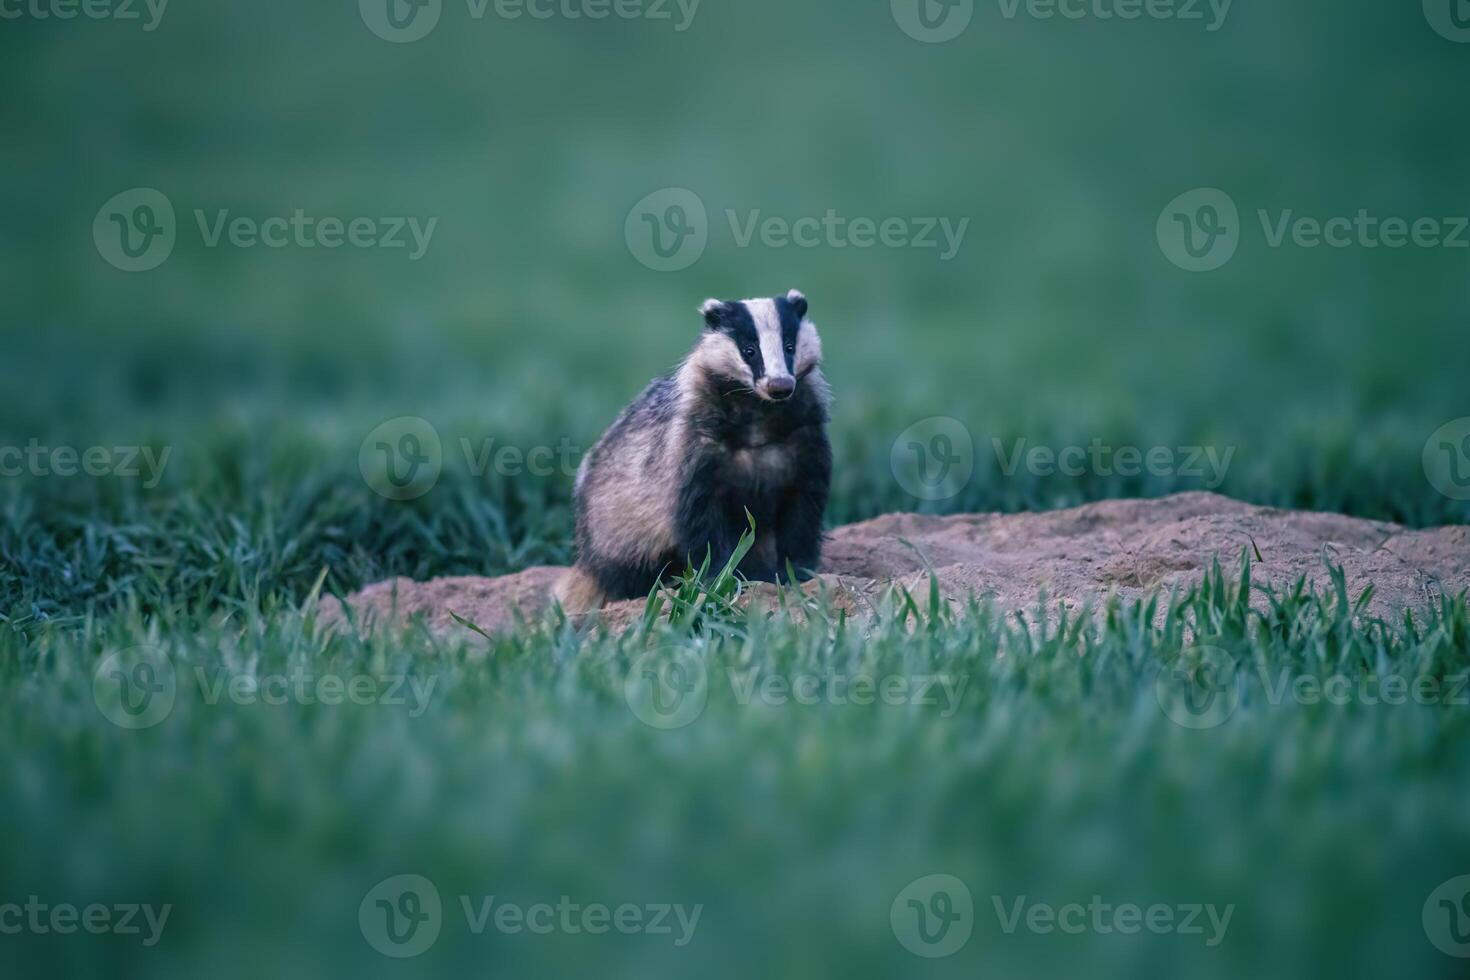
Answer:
(712, 310)
(798, 303)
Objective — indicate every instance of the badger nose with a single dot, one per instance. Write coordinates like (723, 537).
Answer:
(781, 388)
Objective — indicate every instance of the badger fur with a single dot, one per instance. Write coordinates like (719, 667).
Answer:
(739, 426)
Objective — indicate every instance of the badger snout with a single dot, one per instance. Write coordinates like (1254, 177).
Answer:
(780, 389)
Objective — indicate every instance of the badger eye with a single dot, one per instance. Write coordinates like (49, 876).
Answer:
(791, 348)
(750, 352)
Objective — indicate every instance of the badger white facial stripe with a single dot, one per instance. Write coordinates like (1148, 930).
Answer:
(718, 354)
(768, 328)
(808, 348)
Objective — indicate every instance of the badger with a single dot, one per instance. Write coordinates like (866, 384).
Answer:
(739, 426)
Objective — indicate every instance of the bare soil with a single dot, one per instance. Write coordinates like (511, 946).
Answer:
(1076, 558)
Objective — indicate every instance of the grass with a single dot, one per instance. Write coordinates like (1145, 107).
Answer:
(529, 775)
(259, 496)
(525, 772)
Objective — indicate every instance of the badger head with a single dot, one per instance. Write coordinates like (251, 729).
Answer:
(767, 346)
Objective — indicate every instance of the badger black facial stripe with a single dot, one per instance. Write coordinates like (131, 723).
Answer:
(740, 329)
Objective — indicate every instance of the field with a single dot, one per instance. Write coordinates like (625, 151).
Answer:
(523, 767)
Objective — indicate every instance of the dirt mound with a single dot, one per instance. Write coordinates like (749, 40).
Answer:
(1077, 557)
(490, 603)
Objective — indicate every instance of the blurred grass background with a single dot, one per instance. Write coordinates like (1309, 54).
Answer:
(529, 321)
